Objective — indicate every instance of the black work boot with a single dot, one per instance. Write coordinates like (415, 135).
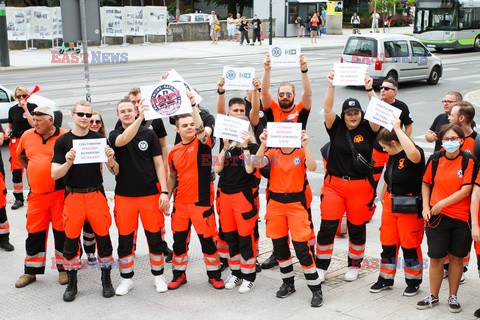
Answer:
(71, 291)
(108, 290)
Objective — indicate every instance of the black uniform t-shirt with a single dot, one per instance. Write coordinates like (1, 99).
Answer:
(405, 119)
(262, 121)
(340, 158)
(2, 170)
(407, 176)
(137, 175)
(18, 119)
(79, 175)
(438, 123)
(233, 177)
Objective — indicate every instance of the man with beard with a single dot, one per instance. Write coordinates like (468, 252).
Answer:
(286, 109)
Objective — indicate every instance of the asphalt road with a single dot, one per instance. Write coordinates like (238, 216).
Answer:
(110, 82)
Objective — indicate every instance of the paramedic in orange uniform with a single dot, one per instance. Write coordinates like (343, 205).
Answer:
(287, 211)
(236, 208)
(403, 176)
(45, 200)
(446, 210)
(85, 199)
(346, 188)
(193, 197)
(4, 225)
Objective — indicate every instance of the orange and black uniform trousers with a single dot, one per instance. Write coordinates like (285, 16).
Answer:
(44, 208)
(238, 216)
(202, 217)
(405, 231)
(79, 206)
(4, 225)
(127, 210)
(287, 212)
(380, 159)
(340, 195)
(17, 169)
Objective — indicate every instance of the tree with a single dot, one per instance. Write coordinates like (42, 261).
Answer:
(233, 4)
(383, 5)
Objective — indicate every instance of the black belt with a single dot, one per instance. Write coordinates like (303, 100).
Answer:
(348, 178)
(83, 190)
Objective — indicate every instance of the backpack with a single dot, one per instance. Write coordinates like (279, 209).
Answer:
(435, 158)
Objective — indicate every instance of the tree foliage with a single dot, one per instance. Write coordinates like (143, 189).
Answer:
(232, 5)
(384, 5)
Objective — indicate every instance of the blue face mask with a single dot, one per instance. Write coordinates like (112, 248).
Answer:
(451, 146)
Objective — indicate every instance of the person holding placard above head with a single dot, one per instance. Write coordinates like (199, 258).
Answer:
(237, 209)
(286, 109)
(388, 91)
(136, 193)
(401, 226)
(287, 212)
(348, 186)
(190, 183)
(85, 197)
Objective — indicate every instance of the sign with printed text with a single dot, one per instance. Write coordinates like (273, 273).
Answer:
(382, 113)
(238, 78)
(230, 128)
(349, 74)
(89, 150)
(284, 55)
(165, 99)
(174, 77)
(284, 135)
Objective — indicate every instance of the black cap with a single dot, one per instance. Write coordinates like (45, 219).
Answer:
(351, 104)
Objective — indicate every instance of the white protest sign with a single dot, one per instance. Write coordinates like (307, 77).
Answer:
(230, 128)
(238, 78)
(284, 135)
(284, 55)
(174, 77)
(381, 113)
(89, 150)
(349, 74)
(165, 99)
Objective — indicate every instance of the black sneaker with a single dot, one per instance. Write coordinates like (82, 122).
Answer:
(223, 264)
(258, 267)
(411, 291)
(317, 299)
(453, 304)
(270, 262)
(378, 287)
(17, 204)
(429, 301)
(285, 290)
(168, 254)
(6, 245)
(477, 313)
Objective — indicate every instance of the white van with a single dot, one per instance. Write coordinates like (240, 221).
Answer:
(400, 57)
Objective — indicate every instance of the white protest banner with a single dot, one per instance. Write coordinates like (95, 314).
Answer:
(349, 74)
(173, 76)
(284, 55)
(89, 150)
(381, 113)
(230, 128)
(284, 135)
(238, 78)
(165, 99)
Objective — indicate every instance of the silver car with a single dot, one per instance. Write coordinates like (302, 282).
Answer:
(7, 101)
(400, 57)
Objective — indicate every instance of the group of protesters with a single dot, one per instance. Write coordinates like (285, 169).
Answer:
(439, 197)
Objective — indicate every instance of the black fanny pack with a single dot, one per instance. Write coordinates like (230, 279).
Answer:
(407, 204)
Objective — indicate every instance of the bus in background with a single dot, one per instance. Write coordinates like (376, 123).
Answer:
(448, 23)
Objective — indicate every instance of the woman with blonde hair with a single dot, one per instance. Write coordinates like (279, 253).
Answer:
(314, 23)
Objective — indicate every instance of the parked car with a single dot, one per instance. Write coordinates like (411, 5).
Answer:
(171, 18)
(7, 101)
(400, 57)
(193, 17)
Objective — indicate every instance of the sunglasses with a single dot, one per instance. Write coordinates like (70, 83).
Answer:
(82, 114)
(288, 94)
(386, 88)
(39, 114)
(21, 96)
(448, 101)
(95, 121)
